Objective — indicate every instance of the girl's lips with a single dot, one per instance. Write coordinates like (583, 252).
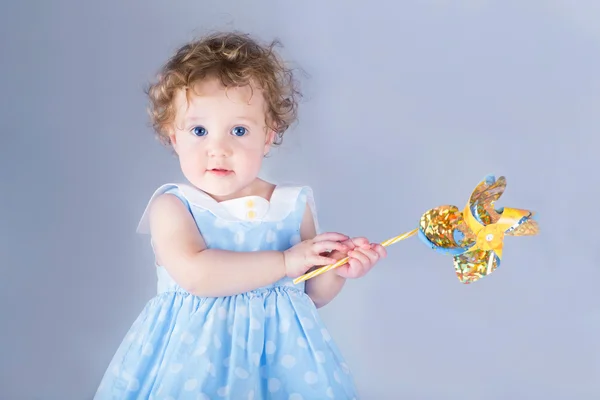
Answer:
(219, 171)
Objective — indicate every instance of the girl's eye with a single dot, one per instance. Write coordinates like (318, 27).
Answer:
(199, 131)
(239, 131)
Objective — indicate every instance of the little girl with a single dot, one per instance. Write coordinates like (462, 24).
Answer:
(228, 322)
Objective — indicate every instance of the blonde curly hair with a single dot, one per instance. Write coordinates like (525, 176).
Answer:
(236, 60)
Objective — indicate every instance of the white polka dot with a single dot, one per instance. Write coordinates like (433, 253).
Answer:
(133, 385)
(251, 395)
(274, 385)
(239, 237)
(279, 226)
(271, 237)
(222, 312)
(116, 370)
(284, 326)
(307, 323)
(210, 368)
(187, 338)
(345, 368)
(217, 341)
(302, 343)
(176, 368)
(320, 357)
(326, 335)
(148, 349)
(295, 396)
(255, 358)
(329, 392)
(311, 378)
(241, 373)
(200, 350)
(202, 396)
(336, 376)
(254, 324)
(241, 342)
(271, 310)
(270, 347)
(223, 391)
(288, 361)
(190, 385)
(131, 337)
(295, 240)
(242, 311)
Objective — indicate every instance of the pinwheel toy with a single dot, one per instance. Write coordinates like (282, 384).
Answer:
(473, 237)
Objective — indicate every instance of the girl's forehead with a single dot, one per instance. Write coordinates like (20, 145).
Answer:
(211, 99)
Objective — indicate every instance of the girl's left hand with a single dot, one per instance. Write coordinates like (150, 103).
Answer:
(363, 256)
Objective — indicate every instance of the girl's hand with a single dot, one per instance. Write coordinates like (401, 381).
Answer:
(309, 253)
(363, 256)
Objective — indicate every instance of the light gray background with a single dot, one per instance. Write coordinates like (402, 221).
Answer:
(407, 107)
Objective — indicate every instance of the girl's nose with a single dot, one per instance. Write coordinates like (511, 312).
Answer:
(219, 147)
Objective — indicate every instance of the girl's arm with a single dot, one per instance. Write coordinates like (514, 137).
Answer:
(179, 247)
(325, 287)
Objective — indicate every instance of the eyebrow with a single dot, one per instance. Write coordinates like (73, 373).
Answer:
(189, 120)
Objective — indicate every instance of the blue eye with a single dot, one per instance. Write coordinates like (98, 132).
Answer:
(239, 131)
(199, 131)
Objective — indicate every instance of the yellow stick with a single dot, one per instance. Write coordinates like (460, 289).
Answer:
(343, 261)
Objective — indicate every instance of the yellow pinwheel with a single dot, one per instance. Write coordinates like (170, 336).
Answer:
(474, 237)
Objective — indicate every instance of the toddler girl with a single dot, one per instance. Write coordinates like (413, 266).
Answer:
(228, 322)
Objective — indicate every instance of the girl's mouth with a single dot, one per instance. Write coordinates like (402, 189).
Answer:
(220, 171)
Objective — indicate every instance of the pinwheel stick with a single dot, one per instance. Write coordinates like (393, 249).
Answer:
(343, 261)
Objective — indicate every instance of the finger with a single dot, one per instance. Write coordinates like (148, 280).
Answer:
(321, 247)
(372, 254)
(349, 244)
(360, 257)
(361, 242)
(330, 236)
(321, 260)
(379, 249)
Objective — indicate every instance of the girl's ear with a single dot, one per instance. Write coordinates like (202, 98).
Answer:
(173, 140)
(270, 139)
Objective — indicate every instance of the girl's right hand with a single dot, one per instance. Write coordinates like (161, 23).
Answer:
(309, 253)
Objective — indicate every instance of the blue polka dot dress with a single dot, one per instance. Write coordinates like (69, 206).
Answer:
(268, 343)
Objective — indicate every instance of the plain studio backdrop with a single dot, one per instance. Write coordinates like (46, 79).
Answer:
(408, 105)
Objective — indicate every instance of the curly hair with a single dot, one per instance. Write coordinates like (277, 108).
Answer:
(236, 60)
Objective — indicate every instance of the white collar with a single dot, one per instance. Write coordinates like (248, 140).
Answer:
(242, 209)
